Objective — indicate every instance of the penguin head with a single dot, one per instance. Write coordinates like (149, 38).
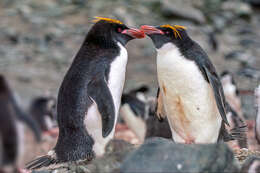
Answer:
(108, 31)
(164, 34)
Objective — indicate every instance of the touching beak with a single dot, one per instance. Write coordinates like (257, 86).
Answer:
(150, 30)
(133, 32)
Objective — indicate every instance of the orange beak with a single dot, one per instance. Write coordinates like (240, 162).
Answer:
(150, 30)
(133, 32)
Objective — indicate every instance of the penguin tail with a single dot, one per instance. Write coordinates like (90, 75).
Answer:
(239, 133)
(42, 161)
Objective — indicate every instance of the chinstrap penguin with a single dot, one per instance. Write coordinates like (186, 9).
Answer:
(191, 94)
(90, 94)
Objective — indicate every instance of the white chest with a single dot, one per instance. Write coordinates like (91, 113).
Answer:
(116, 78)
(187, 97)
(115, 83)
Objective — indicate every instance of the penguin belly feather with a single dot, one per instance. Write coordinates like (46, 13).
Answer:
(115, 83)
(188, 98)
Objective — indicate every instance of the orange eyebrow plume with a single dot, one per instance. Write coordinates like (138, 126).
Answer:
(97, 19)
(175, 28)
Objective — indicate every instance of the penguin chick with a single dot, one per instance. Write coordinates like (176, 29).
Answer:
(191, 94)
(235, 114)
(257, 121)
(138, 112)
(11, 127)
(43, 111)
(90, 94)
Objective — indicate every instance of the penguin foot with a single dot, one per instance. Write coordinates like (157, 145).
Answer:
(90, 156)
(190, 141)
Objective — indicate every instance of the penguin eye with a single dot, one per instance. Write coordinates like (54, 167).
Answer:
(167, 32)
(119, 30)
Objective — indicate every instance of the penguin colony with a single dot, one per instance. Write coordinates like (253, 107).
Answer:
(190, 93)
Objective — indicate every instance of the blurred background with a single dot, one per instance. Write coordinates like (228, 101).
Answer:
(40, 38)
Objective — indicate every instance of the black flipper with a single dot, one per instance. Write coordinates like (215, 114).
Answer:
(218, 92)
(100, 93)
(43, 161)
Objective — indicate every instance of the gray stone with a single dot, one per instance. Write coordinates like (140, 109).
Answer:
(177, 9)
(162, 155)
(210, 6)
(238, 8)
(116, 151)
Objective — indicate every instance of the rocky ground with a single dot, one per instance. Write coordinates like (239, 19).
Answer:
(40, 38)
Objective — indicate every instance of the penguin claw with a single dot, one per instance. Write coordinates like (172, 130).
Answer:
(160, 117)
(90, 156)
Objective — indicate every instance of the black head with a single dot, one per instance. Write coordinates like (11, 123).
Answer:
(107, 31)
(166, 34)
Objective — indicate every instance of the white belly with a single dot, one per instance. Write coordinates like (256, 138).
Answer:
(93, 121)
(188, 99)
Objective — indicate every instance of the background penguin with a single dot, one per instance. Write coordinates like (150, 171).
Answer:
(257, 121)
(234, 111)
(11, 127)
(138, 112)
(191, 94)
(90, 94)
(43, 111)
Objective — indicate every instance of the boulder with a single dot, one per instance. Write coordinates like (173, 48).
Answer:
(178, 9)
(162, 155)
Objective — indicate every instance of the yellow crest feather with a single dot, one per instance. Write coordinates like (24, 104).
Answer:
(175, 29)
(97, 19)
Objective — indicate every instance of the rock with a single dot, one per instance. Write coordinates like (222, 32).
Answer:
(249, 42)
(177, 9)
(252, 164)
(244, 153)
(210, 6)
(243, 57)
(240, 9)
(162, 155)
(116, 151)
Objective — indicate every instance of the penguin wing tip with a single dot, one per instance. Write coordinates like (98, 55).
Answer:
(40, 162)
(106, 132)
